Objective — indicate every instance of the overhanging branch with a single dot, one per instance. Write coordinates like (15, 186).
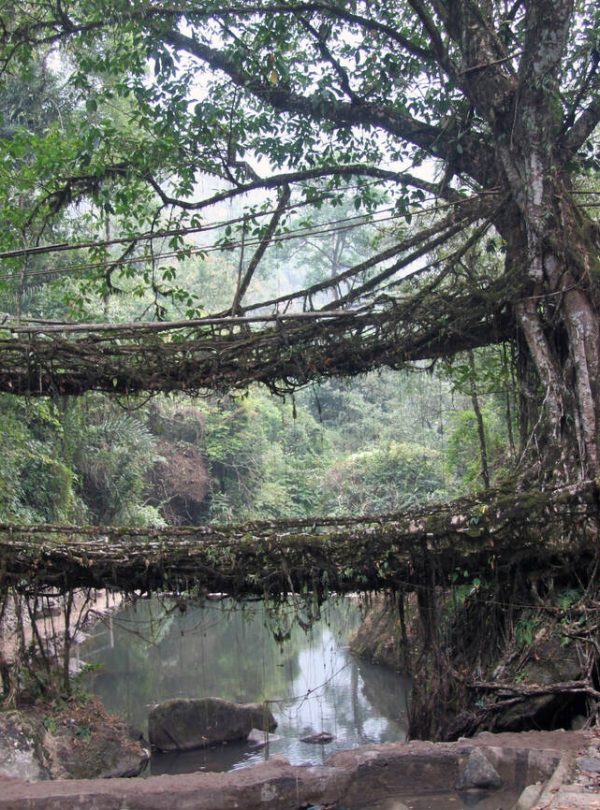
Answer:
(474, 159)
(583, 127)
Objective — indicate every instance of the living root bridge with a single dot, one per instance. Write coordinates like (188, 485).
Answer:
(283, 351)
(496, 534)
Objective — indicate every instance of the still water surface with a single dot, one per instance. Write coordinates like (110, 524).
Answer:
(151, 651)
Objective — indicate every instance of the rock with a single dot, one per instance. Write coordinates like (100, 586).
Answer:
(590, 764)
(103, 750)
(529, 797)
(20, 748)
(524, 715)
(185, 724)
(548, 662)
(77, 742)
(478, 773)
(259, 739)
(321, 737)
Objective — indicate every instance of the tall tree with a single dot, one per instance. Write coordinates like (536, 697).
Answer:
(496, 100)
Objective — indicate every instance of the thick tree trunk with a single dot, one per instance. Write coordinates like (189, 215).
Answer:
(561, 328)
(565, 353)
(546, 233)
(558, 318)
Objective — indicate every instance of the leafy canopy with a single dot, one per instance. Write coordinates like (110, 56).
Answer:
(181, 104)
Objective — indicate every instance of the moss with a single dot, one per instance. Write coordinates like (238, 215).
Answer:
(355, 554)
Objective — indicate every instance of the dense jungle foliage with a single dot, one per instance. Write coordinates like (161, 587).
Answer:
(291, 157)
(377, 443)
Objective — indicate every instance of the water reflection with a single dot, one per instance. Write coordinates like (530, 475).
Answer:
(152, 651)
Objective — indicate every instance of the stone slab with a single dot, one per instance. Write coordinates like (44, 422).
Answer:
(377, 771)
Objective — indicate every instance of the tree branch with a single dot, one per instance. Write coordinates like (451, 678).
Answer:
(473, 161)
(547, 28)
(582, 129)
(433, 33)
(56, 28)
(534, 689)
(275, 181)
(328, 57)
(260, 251)
(423, 250)
(425, 241)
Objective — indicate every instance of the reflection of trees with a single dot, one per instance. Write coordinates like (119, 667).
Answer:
(225, 650)
(160, 652)
(356, 707)
(126, 649)
(387, 691)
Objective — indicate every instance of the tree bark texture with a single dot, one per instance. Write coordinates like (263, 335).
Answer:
(545, 233)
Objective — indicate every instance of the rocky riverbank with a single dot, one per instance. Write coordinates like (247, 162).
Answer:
(45, 732)
(70, 739)
(538, 676)
(558, 767)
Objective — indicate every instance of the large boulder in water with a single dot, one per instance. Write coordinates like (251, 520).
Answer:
(184, 724)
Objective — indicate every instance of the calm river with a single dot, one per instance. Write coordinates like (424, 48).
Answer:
(151, 651)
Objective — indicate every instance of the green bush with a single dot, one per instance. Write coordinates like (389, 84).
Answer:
(385, 479)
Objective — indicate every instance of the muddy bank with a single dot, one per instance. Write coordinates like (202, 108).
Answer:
(376, 772)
